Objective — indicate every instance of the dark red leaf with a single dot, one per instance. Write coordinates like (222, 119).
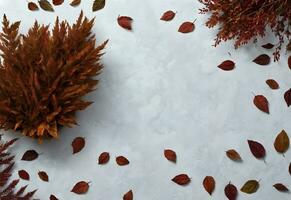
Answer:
(268, 46)
(181, 179)
(81, 187)
(128, 195)
(227, 65)
(168, 16)
(121, 160)
(289, 62)
(280, 187)
(43, 176)
(125, 22)
(186, 27)
(209, 184)
(257, 149)
(170, 155)
(78, 144)
(23, 174)
(290, 168)
(230, 192)
(103, 158)
(53, 197)
(58, 2)
(263, 59)
(287, 97)
(261, 103)
(32, 6)
(272, 84)
(30, 155)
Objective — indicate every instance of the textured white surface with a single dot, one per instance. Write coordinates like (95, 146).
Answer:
(161, 89)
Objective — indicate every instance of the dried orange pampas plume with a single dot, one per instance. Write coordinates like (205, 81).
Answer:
(44, 75)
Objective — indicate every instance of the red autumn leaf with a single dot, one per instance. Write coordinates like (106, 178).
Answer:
(78, 144)
(290, 168)
(43, 176)
(170, 155)
(186, 27)
(81, 187)
(287, 97)
(227, 65)
(103, 158)
(289, 62)
(168, 16)
(121, 160)
(257, 149)
(268, 46)
(272, 84)
(125, 22)
(30, 155)
(181, 179)
(263, 59)
(32, 6)
(209, 184)
(280, 187)
(233, 155)
(53, 197)
(58, 2)
(75, 3)
(128, 195)
(23, 174)
(230, 192)
(261, 103)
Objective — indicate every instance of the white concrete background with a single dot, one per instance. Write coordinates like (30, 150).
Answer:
(161, 89)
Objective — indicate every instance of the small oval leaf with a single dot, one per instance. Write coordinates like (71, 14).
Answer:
(43, 176)
(280, 187)
(46, 5)
(250, 187)
(168, 16)
(103, 158)
(230, 192)
(181, 179)
(233, 155)
(227, 65)
(81, 187)
(289, 61)
(30, 155)
(125, 22)
(268, 46)
(263, 59)
(98, 5)
(282, 142)
(186, 27)
(121, 161)
(209, 184)
(75, 3)
(53, 197)
(128, 195)
(32, 6)
(257, 149)
(24, 175)
(287, 97)
(58, 2)
(261, 102)
(78, 144)
(272, 84)
(170, 155)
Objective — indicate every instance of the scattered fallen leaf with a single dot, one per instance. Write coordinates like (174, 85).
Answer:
(268, 46)
(58, 2)
(32, 6)
(290, 168)
(282, 142)
(263, 59)
(98, 5)
(233, 155)
(30, 155)
(250, 187)
(230, 191)
(168, 16)
(186, 27)
(75, 3)
(280, 187)
(227, 65)
(209, 184)
(121, 160)
(289, 62)
(78, 144)
(261, 102)
(170, 155)
(53, 197)
(128, 195)
(103, 158)
(287, 97)
(46, 5)
(23, 174)
(181, 179)
(272, 84)
(125, 22)
(257, 149)
(43, 176)
(81, 187)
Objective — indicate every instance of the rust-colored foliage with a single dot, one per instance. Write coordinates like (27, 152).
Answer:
(245, 20)
(45, 74)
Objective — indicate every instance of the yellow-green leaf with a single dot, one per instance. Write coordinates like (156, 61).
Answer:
(282, 142)
(46, 5)
(250, 187)
(98, 5)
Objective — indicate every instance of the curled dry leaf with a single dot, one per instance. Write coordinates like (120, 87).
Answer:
(125, 22)
(58, 2)
(53, 197)
(81, 187)
(233, 155)
(272, 84)
(170, 155)
(30, 155)
(230, 192)
(281, 187)
(103, 158)
(98, 5)
(209, 184)
(282, 142)
(186, 27)
(43, 176)
(121, 160)
(32, 6)
(287, 97)
(78, 144)
(181, 179)
(289, 62)
(250, 187)
(257, 149)
(46, 5)
(268, 46)
(261, 102)
(75, 3)
(227, 65)
(128, 195)
(168, 16)
(263, 59)
(23, 174)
